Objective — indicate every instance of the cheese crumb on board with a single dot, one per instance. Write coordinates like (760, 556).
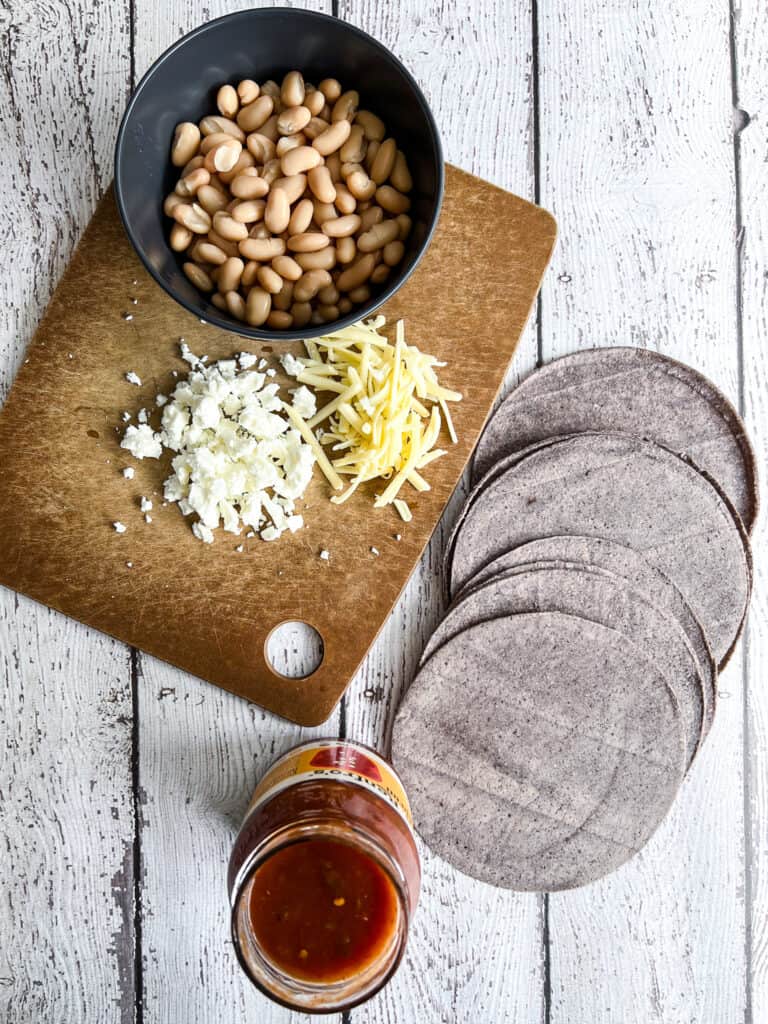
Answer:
(119, 527)
(325, 555)
(385, 413)
(238, 460)
(304, 402)
(129, 472)
(142, 442)
(202, 532)
(133, 378)
(247, 360)
(187, 354)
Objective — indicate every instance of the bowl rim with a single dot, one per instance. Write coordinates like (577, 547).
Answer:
(229, 323)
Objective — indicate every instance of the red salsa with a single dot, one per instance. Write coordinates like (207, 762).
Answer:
(324, 877)
(322, 911)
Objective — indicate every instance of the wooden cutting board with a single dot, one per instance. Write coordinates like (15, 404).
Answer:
(208, 608)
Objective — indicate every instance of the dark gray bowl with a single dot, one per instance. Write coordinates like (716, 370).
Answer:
(181, 86)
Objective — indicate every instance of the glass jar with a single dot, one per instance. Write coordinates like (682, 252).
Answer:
(324, 877)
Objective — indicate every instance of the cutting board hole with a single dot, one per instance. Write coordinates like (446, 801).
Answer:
(295, 649)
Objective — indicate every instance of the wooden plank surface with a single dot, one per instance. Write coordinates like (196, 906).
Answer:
(637, 162)
(476, 952)
(66, 817)
(637, 167)
(201, 753)
(751, 121)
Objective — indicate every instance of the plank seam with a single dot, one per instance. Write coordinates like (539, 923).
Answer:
(138, 951)
(547, 961)
(138, 969)
(535, 111)
(132, 43)
(745, 745)
(536, 132)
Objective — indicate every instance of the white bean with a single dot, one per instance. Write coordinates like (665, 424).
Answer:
(186, 139)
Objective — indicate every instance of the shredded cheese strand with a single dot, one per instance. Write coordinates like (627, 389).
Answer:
(330, 473)
(386, 415)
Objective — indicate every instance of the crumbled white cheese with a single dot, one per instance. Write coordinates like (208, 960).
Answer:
(238, 460)
(142, 416)
(187, 354)
(263, 363)
(325, 555)
(203, 533)
(227, 368)
(145, 505)
(271, 372)
(374, 551)
(160, 400)
(304, 402)
(142, 442)
(250, 534)
(133, 378)
(147, 519)
(240, 547)
(126, 417)
(292, 366)
(129, 472)
(129, 565)
(247, 360)
(119, 527)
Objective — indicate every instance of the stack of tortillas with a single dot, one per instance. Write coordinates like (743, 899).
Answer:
(600, 575)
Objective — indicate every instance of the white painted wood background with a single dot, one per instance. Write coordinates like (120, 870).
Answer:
(644, 128)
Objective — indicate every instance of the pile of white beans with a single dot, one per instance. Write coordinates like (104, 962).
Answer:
(291, 203)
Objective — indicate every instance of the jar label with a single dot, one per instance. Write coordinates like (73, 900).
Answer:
(334, 759)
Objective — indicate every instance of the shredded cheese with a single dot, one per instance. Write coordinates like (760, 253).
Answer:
(402, 510)
(322, 460)
(386, 413)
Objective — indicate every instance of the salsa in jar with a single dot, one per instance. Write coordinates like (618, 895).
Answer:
(324, 877)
